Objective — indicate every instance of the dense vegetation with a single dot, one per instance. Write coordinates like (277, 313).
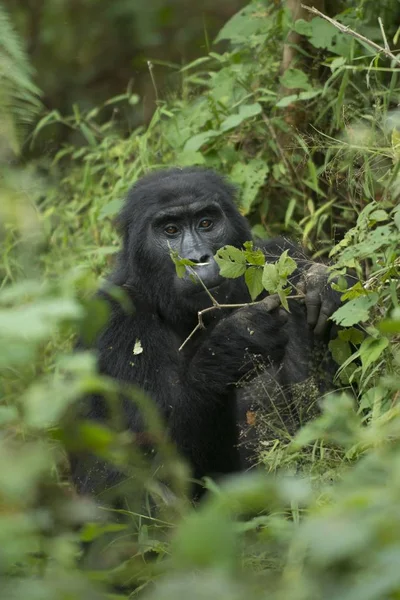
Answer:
(313, 142)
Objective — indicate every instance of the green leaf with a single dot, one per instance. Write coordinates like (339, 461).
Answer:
(372, 397)
(188, 158)
(246, 111)
(286, 265)
(374, 240)
(245, 23)
(355, 311)
(195, 63)
(283, 293)
(309, 94)
(250, 178)
(336, 63)
(303, 27)
(205, 540)
(391, 325)
(197, 141)
(255, 257)
(231, 262)
(270, 278)
(259, 231)
(231, 122)
(352, 335)
(95, 436)
(379, 215)
(396, 217)
(322, 34)
(295, 79)
(111, 208)
(180, 263)
(340, 350)
(253, 279)
(371, 349)
(37, 320)
(87, 134)
(287, 100)
(91, 531)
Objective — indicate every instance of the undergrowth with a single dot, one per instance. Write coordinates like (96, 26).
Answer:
(321, 520)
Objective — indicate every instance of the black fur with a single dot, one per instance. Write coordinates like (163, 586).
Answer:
(193, 388)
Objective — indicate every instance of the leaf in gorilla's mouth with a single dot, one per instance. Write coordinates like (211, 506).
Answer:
(204, 264)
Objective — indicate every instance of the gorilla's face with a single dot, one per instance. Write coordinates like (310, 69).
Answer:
(192, 212)
(195, 230)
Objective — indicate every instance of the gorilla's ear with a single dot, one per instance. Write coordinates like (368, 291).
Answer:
(121, 275)
(120, 224)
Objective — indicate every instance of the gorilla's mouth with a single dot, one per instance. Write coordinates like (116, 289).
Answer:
(211, 287)
(203, 274)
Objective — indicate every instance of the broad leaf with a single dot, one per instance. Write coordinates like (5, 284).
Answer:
(295, 79)
(250, 178)
(355, 311)
(371, 349)
(197, 141)
(253, 279)
(245, 112)
(231, 262)
(286, 265)
(270, 278)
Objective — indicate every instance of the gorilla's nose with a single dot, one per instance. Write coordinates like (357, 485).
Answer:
(202, 260)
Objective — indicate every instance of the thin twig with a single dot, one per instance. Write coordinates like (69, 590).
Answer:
(385, 42)
(191, 334)
(193, 272)
(344, 29)
(153, 80)
(271, 302)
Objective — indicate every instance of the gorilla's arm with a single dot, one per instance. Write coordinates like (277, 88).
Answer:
(204, 423)
(194, 392)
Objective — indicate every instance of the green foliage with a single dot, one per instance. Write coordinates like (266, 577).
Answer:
(19, 97)
(180, 263)
(324, 522)
(259, 275)
(374, 302)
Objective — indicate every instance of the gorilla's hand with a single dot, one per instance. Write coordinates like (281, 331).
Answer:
(320, 299)
(223, 357)
(256, 329)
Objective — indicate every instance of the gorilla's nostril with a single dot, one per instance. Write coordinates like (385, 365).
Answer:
(204, 259)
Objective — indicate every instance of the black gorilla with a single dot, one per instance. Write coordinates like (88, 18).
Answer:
(192, 211)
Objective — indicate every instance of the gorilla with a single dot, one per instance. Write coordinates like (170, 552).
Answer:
(192, 211)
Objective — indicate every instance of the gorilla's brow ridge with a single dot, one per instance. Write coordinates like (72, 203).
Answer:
(192, 209)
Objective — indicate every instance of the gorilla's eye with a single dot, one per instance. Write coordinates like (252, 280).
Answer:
(171, 230)
(205, 223)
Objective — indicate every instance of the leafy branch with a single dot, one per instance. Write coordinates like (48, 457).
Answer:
(358, 36)
(259, 276)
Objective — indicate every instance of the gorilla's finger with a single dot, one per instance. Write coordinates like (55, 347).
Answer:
(322, 324)
(271, 302)
(327, 310)
(301, 286)
(313, 305)
(283, 316)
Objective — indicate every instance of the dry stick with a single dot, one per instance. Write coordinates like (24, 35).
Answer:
(344, 29)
